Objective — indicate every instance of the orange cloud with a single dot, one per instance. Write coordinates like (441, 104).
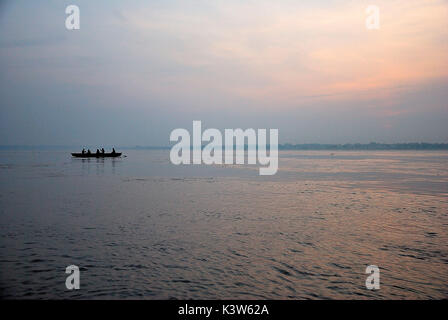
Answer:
(290, 53)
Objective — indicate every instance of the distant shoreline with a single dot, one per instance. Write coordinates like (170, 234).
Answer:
(287, 146)
(368, 146)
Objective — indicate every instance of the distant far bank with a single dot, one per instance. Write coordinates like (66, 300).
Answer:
(349, 146)
(286, 146)
(368, 146)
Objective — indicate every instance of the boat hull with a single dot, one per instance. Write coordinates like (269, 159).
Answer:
(96, 155)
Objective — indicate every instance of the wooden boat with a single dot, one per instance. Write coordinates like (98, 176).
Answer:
(96, 155)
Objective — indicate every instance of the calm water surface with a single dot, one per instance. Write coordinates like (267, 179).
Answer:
(139, 227)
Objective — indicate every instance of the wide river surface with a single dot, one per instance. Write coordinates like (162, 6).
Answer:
(140, 227)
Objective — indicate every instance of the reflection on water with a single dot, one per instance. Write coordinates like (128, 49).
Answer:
(139, 227)
(97, 164)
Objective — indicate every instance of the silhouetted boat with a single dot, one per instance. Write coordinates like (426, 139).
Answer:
(96, 155)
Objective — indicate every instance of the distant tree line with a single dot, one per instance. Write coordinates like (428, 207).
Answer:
(347, 146)
(368, 146)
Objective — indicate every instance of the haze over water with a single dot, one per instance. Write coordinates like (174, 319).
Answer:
(140, 227)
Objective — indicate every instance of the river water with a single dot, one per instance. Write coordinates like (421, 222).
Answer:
(139, 227)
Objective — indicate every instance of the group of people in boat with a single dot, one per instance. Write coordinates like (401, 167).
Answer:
(97, 151)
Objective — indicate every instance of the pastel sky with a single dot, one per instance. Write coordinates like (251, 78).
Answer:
(136, 70)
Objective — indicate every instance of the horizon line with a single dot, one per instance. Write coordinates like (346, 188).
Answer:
(281, 146)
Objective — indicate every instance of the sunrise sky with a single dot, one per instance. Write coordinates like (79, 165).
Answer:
(138, 69)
